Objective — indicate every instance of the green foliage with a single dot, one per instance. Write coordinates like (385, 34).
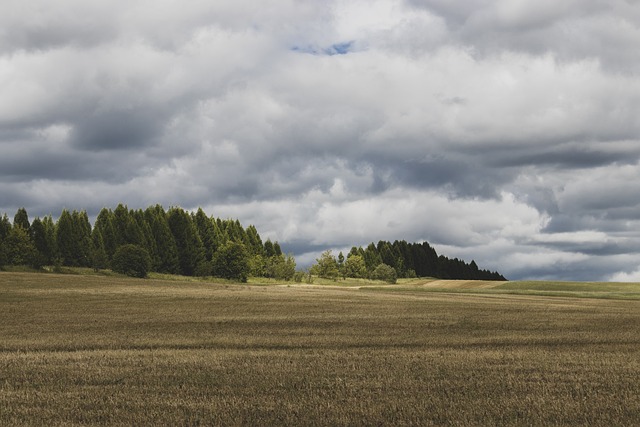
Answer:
(19, 249)
(385, 272)
(355, 266)
(65, 239)
(188, 243)
(21, 219)
(167, 260)
(177, 242)
(39, 239)
(99, 258)
(326, 266)
(231, 261)
(131, 260)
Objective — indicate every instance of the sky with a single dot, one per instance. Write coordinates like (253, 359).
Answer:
(503, 131)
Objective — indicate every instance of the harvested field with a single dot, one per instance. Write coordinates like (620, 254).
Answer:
(89, 350)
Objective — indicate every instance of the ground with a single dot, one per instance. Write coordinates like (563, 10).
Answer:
(94, 350)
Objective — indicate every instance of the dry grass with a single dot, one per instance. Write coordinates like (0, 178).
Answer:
(90, 350)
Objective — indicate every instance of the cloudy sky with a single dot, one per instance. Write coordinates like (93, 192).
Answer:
(505, 131)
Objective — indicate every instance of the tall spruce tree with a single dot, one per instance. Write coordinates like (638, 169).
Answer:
(168, 260)
(38, 234)
(190, 248)
(104, 223)
(65, 238)
(21, 219)
(206, 232)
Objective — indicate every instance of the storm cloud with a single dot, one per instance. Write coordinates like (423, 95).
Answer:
(500, 131)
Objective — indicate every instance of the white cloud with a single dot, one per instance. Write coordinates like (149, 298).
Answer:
(496, 130)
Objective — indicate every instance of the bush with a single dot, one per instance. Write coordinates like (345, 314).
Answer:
(131, 260)
(385, 272)
(231, 261)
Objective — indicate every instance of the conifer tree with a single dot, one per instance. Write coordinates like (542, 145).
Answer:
(206, 232)
(5, 227)
(65, 238)
(99, 259)
(190, 248)
(269, 251)
(104, 223)
(50, 237)
(371, 257)
(255, 242)
(21, 219)
(39, 237)
(168, 261)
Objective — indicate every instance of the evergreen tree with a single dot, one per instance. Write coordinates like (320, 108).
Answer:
(206, 232)
(386, 254)
(104, 223)
(21, 219)
(371, 257)
(65, 238)
(276, 249)
(126, 229)
(5, 227)
(82, 238)
(168, 261)
(99, 259)
(148, 241)
(269, 251)
(39, 238)
(255, 246)
(190, 248)
(50, 237)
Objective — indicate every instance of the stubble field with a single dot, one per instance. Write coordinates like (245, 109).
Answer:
(90, 350)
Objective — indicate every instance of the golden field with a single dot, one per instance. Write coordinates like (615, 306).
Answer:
(101, 350)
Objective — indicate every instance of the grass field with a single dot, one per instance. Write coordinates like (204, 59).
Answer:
(96, 350)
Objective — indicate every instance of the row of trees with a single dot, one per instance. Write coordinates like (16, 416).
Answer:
(174, 241)
(388, 261)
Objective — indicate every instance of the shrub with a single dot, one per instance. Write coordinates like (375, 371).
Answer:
(131, 260)
(385, 272)
(231, 261)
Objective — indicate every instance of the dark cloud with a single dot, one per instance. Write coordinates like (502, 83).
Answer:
(135, 129)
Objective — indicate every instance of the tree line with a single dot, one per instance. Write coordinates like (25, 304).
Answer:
(171, 241)
(176, 241)
(389, 261)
